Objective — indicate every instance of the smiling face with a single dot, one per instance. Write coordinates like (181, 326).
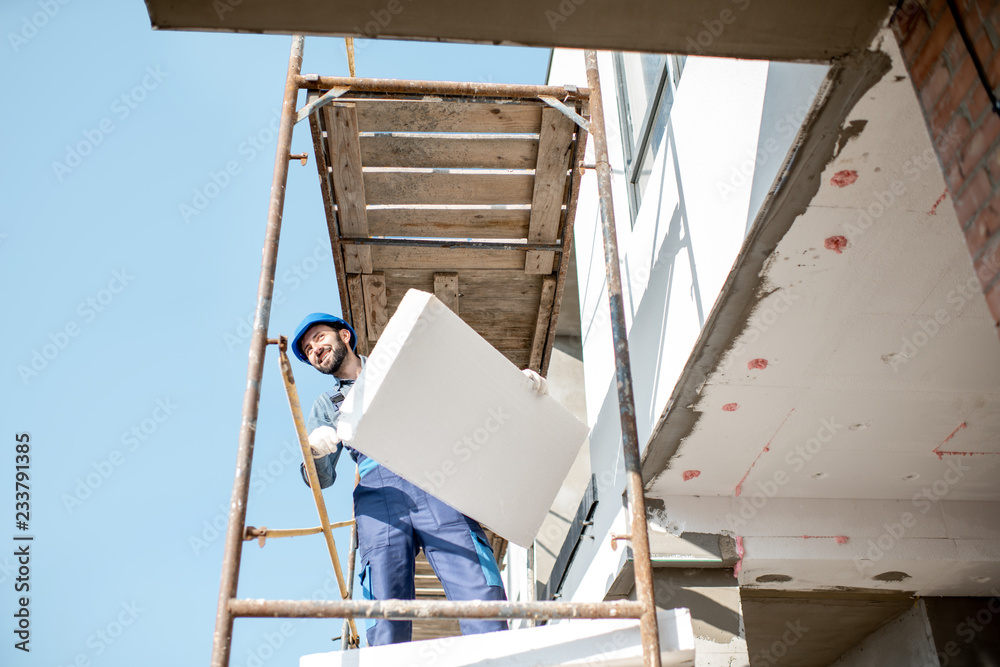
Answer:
(325, 347)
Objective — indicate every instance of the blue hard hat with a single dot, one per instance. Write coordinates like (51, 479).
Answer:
(319, 318)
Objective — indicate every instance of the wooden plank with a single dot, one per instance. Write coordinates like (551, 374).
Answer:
(506, 321)
(515, 324)
(422, 566)
(555, 144)
(510, 343)
(447, 187)
(519, 358)
(436, 115)
(445, 259)
(476, 284)
(501, 307)
(483, 223)
(542, 323)
(518, 315)
(469, 151)
(515, 331)
(446, 289)
(499, 545)
(355, 293)
(567, 263)
(376, 315)
(348, 182)
(357, 259)
(319, 150)
(435, 629)
(429, 587)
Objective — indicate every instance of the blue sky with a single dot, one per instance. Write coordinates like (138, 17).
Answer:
(126, 324)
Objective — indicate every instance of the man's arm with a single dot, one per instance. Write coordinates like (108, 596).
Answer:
(326, 449)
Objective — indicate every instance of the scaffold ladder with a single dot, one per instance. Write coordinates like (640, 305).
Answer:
(230, 606)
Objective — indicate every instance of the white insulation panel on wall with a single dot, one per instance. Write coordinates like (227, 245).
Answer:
(607, 642)
(441, 407)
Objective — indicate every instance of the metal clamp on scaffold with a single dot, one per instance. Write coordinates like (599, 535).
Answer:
(615, 538)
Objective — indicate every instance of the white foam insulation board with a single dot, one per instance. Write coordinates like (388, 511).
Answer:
(441, 407)
(610, 643)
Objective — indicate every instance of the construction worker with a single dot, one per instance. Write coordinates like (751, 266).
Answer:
(394, 517)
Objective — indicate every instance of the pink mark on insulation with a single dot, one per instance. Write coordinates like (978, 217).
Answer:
(739, 487)
(937, 450)
(691, 474)
(739, 552)
(730, 407)
(841, 539)
(844, 178)
(836, 244)
(757, 364)
(940, 199)
(941, 454)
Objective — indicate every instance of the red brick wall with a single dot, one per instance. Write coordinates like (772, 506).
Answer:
(965, 129)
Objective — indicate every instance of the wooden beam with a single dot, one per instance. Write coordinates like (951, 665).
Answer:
(446, 289)
(376, 315)
(477, 284)
(445, 259)
(442, 186)
(480, 223)
(348, 182)
(319, 149)
(542, 323)
(466, 151)
(355, 294)
(565, 262)
(376, 115)
(555, 144)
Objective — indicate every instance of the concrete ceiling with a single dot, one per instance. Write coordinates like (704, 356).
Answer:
(839, 415)
(768, 29)
(882, 366)
(831, 623)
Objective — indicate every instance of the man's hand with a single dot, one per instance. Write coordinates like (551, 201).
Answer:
(538, 383)
(323, 441)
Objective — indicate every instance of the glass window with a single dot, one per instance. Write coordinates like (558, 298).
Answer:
(646, 84)
(639, 83)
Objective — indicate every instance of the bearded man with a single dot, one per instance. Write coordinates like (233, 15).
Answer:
(394, 517)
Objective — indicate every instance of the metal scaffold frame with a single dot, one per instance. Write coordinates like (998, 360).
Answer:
(230, 607)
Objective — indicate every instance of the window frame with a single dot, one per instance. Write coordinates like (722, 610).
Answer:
(634, 147)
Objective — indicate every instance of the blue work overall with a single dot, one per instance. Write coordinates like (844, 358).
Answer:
(395, 520)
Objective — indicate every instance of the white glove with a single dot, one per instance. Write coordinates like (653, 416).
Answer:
(537, 382)
(323, 441)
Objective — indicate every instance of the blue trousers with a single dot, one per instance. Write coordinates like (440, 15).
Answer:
(395, 519)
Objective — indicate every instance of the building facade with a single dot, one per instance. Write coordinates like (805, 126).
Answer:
(806, 349)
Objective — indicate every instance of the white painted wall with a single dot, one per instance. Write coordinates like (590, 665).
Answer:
(708, 180)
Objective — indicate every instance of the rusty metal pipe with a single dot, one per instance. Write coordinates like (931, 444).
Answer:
(623, 373)
(253, 533)
(352, 557)
(473, 88)
(310, 466)
(222, 639)
(422, 609)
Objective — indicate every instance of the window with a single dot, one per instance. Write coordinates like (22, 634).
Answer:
(646, 85)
